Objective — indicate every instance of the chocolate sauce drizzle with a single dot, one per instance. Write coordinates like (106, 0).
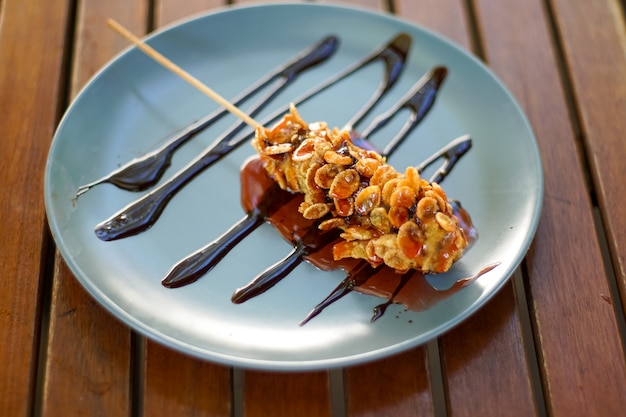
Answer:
(142, 173)
(314, 246)
(411, 289)
(145, 211)
(419, 100)
(380, 309)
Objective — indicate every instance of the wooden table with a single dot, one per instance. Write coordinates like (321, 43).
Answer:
(551, 342)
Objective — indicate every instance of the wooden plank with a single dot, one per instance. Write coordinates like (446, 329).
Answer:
(371, 4)
(484, 362)
(486, 349)
(95, 43)
(394, 386)
(581, 356)
(276, 394)
(446, 17)
(179, 385)
(91, 374)
(594, 43)
(88, 359)
(176, 384)
(368, 4)
(32, 36)
(166, 12)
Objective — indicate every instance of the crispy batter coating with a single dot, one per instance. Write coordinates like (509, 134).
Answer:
(386, 217)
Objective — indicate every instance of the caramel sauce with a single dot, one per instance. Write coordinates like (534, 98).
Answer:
(411, 289)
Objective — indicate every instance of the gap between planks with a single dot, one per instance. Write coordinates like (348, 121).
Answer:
(435, 377)
(614, 297)
(45, 303)
(237, 375)
(137, 374)
(532, 361)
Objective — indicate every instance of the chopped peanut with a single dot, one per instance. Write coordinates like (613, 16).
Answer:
(385, 216)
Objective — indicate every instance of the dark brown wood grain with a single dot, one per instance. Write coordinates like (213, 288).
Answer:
(92, 374)
(576, 330)
(594, 43)
(180, 385)
(286, 394)
(447, 18)
(31, 61)
(167, 11)
(394, 386)
(484, 362)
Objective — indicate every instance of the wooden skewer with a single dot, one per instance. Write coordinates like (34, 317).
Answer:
(152, 53)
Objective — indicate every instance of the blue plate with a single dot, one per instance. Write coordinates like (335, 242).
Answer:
(133, 104)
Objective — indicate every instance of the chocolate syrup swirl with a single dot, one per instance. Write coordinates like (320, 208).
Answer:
(144, 212)
(380, 309)
(411, 289)
(419, 100)
(451, 154)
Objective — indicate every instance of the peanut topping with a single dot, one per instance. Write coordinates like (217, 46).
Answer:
(385, 216)
(403, 197)
(315, 211)
(344, 184)
(367, 199)
(325, 175)
(367, 166)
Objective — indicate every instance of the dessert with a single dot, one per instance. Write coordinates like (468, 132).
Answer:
(385, 217)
